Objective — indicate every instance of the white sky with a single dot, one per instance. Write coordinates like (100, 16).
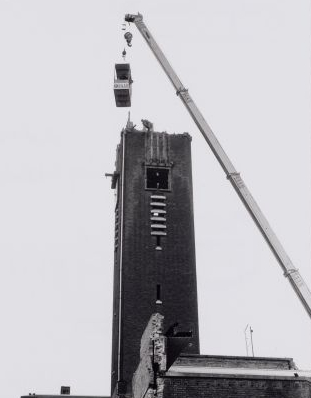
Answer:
(247, 65)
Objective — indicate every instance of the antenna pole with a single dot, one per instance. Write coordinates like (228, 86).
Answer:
(251, 333)
(246, 343)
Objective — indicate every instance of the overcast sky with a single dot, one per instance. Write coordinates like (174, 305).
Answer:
(247, 65)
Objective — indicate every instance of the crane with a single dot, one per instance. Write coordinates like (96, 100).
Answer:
(290, 272)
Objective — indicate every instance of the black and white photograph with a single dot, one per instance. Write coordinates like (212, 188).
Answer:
(155, 198)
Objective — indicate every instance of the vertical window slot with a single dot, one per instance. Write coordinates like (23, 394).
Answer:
(159, 301)
(158, 247)
(158, 218)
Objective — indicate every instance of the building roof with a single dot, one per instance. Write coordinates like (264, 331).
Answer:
(196, 371)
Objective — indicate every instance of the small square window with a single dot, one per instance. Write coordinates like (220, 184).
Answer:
(157, 178)
(65, 390)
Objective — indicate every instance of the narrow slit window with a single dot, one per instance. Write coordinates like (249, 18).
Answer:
(157, 178)
(159, 301)
(158, 247)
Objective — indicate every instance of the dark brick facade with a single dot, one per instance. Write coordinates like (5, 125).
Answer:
(235, 387)
(157, 271)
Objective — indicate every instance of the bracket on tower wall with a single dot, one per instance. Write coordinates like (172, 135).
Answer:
(114, 178)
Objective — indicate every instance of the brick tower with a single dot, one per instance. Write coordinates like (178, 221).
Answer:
(154, 266)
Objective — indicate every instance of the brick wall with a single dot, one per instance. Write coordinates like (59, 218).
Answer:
(143, 267)
(196, 387)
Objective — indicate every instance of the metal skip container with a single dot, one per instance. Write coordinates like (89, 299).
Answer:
(123, 85)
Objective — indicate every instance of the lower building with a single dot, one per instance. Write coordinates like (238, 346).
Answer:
(210, 376)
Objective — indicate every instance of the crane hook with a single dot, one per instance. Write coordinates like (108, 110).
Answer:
(128, 37)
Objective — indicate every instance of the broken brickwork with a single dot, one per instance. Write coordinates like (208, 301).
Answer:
(208, 376)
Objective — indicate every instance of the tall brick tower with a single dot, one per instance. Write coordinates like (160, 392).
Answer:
(154, 266)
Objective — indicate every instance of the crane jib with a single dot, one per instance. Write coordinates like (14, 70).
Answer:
(290, 272)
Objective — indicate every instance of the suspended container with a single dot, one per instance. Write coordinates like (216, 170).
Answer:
(123, 85)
